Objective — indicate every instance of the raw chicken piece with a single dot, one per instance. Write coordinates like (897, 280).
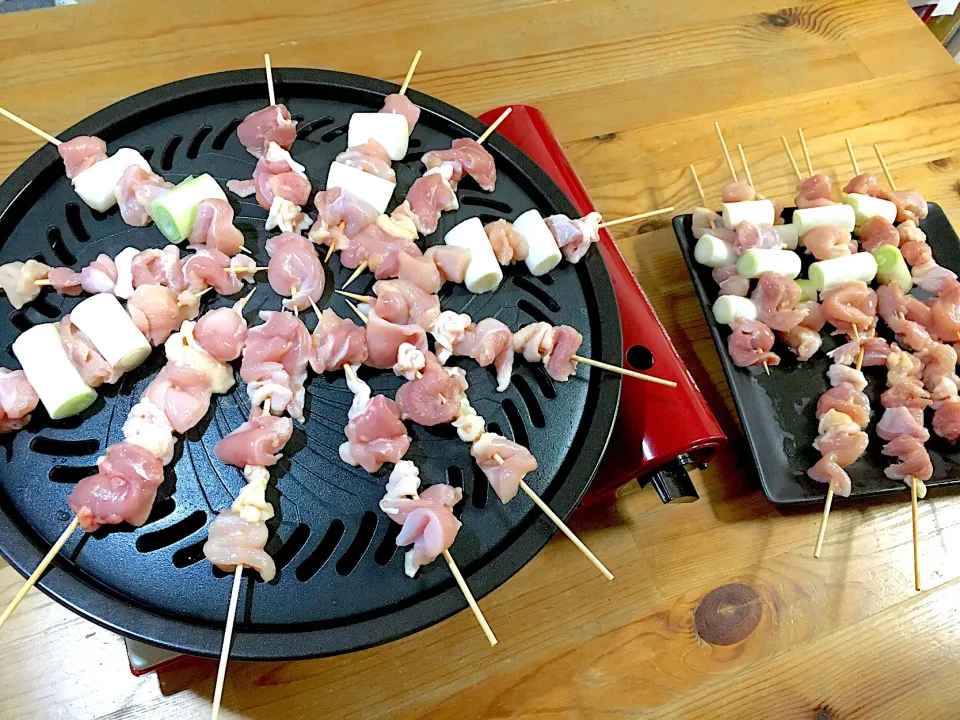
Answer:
(749, 237)
(910, 204)
(737, 192)
(803, 341)
(706, 221)
(946, 421)
(814, 319)
(122, 491)
(379, 249)
(749, 344)
(730, 281)
(490, 341)
(154, 267)
(274, 363)
(517, 462)
(776, 297)
(403, 303)
(17, 400)
(932, 277)
(375, 436)
(465, 157)
(420, 398)
(509, 245)
(837, 374)
(574, 237)
(233, 541)
(214, 228)
(370, 157)
(902, 365)
(828, 471)
(915, 254)
(80, 153)
(222, 333)
(939, 361)
(846, 399)
(19, 281)
(848, 305)
(99, 276)
(560, 365)
(402, 105)
(65, 281)
(815, 191)
(429, 195)
(875, 232)
(259, 441)
(205, 268)
(147, 426)
(182, 392)
(136, 192)
(908, 393)
(844, 444)
(421, 271)
(913, 456)
(863, 184)
(295, 270)
(272, 124)
(336, 342)
(277, 174)
(428, 524)
(384, 339)
(902, 420)
(827, 242)
(451, 261)
(336, 207)
(156, 312)
(945, 313)
(94, 370)
(448, 331)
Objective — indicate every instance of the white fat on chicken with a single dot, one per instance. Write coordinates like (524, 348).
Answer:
(251, 504)
(470, 426)
(287, 217)
(148, 427)
(535, 341)
(447, 331)
(402, 227)
(445, 171)
(124, 262)
(361, 395)
(279, 394)
(182, 347)
(404, 482)
(244, 261)
(410, 361)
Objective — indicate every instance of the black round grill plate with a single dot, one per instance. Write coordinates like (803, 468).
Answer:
(340, 585)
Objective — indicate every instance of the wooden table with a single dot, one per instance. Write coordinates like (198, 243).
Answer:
(632, 88)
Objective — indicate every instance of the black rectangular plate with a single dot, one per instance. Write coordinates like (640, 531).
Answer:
(777, 411)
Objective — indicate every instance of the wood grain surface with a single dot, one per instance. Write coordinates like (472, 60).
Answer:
(718, 609)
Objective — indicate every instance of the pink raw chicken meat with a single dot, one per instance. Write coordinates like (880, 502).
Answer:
(233, 541)
(828, 242)
(277, 351)
(379, 249)
(257, 442)
(844, 444)
(490, 341)
(17, 400)
(136, 192)
(450, 260)
(730, 282)
(815, 191)
(945, 313)
(776, 298)
(370, 157)
(402, 105)
(803, 341)
(419, 399)
(222, 333)
(508, 245)
(376, 436)
(336, 342)
(214, 227)
(277, 174)
(421, 271)
(908, 393)
(183, 392)
(384, 339)
(465, 157)
(123, 490)
(846, 399)
(749, 344)
(946, 421)
(271, 124)
(828, 471)
(99, 276)
(428, 523)
(65, 281)
(737, 192)
(566, 342)
(94, 370)
(429, 196)
(155, 311)
(898, 421)
(863, 184)
(848, 305)
(913, 457)
(154, 266)
(517, 462)
(752, 237)
(336, 207)
(205, 268)
(910, 204)
(875, 232)
(295, 270)
(81, 152)
(403, 303)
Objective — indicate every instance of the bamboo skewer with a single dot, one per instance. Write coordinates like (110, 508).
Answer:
(29, 126)
(806, 153)
(270, 93)
(793, 160)
(743, 162)
(916, 538)
(726, 153)
(631, 218)
(853, 157)
(703, 197)
(494, 125)
(410, 71)
(227, 637)
(886, 170)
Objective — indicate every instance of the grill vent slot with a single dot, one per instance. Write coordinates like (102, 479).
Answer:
(532, 310)
(221, 139)
(544, 297)
(55, 240)
(166, 160)
(516, 422)
(42, 306)
(20, 320)
(180, 530)
(530, 398)
(189, 555)
(307, 129)
(64, 448)
(147, 153)
(75, 222)
(388, 546)
(311, 566)
(486, 202)
(194, 148)
(351, 558)
(70, 474)
(294, 544)
(332, 135)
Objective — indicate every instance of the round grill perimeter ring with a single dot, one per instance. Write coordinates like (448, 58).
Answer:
(340, 585)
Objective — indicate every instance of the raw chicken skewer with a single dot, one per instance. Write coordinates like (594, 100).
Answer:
(461, 582)
(370, 300)
(142, 468)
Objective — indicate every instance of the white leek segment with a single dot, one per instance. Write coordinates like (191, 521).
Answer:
(866, 207)
(808, 291)
(124, 262)
(175, 211)
(46, 365)
(728, 308)
(714, 252)
(97, 184)
(827, 274)
(841, 216)
(543, 255)
(483, 272)
(371, 189)
(388, 129)
(103, 319)
(755, 262)
(788, 235)
(755, 212)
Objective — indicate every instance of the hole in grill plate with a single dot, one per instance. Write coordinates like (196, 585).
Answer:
(388, 546)
(42, 306)
(480, 487)
(544, 381)
(531, 399)
(311, 566)
(180, 530)
(540, 294)
(166, 160)
(332, 135)
(194, 148)
(147, 153)
(221, 139)
(63, 448)
(351, 558)
(640, 357)
(414, 143)
(55, 239)
(100, 217)
(189, 555)
(20, 320)
(516, 422)
(532, 310)
(487, 202)
(545, 279)
(297, 118)
(70, 474)
(455, 479)
(75, 223)
(294, 544)
(309, 128)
